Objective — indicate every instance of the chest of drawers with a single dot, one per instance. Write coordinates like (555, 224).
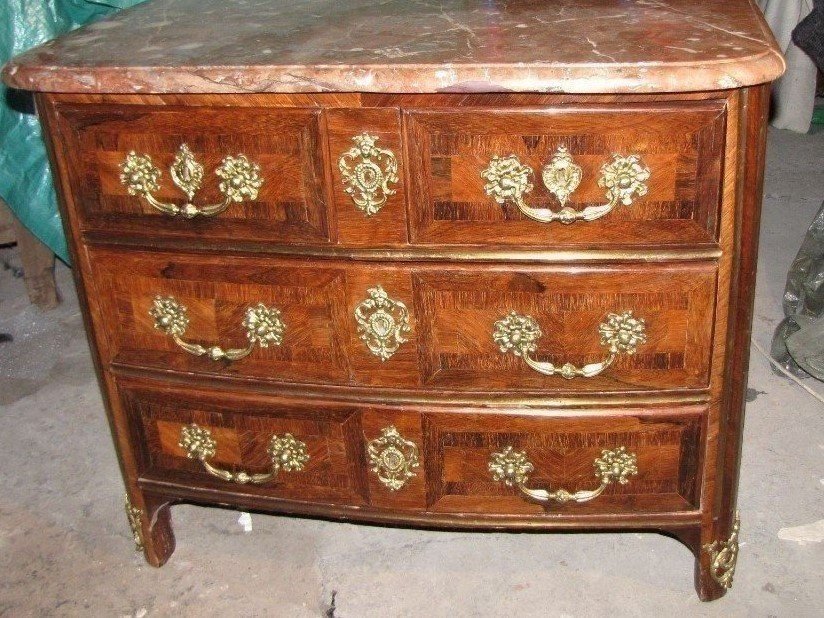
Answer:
(497, 274)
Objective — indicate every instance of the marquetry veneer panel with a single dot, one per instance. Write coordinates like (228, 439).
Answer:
(562, 450)
(456, 310)
(291, 205)
(216, 292)
(680, 143)
(242, 427)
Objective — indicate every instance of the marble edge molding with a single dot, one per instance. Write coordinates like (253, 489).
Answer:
(586, 78)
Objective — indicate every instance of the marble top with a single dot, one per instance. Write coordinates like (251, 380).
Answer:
(574, 46)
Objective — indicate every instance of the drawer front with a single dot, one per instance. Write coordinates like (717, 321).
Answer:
(488, 463)
(264, 165)
(665, 181)
(635, 175)
(481, 327)
(432, 326)
(369, 193)
(469, 461)
(207, 438)
(208, 300)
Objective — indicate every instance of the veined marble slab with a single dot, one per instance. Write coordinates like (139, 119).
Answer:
(571, 46)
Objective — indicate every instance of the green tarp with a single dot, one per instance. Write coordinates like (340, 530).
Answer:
(25, 179)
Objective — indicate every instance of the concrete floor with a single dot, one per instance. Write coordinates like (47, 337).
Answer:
(65, 548)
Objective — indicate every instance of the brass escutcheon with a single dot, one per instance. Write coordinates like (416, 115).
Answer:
(368, 173)
(382, 323)
(393, 458)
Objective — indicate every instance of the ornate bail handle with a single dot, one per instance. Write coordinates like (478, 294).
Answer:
(240, 181)
(621, 333)
(286, 453)
(512, 468)
(261, 323)
(369, 173)
(508, 179)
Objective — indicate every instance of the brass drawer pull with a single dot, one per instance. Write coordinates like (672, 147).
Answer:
(240, 181)
(261, 323)
(393, 458)
(512, 468)
(508, 179)
(620, 332)
(368, 173)
(286, 453)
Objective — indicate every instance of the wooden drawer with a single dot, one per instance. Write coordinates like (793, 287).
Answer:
(213, 295)
(289, 205)
(417, 459)
(656, 450)
(340, 322)
(438, 194)
(566, 314)
(334, 448)
(680, 145)
(319, 448)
